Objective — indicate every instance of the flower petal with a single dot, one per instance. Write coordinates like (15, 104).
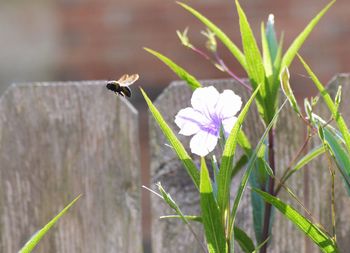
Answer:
(203, 142)
(189, 121)
(228, 124)
(228, 104)
(204, 100)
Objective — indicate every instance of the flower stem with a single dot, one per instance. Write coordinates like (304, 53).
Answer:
(218, 61)
(228, 71)
(268, 207)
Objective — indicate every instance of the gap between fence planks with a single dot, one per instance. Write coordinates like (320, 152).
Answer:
(59, 140)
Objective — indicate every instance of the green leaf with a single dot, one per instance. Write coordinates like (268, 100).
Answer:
(258, 178)
(255, 66)
(214, 229)
(171, 203)
(309, 157)
(174, 142)
(297, 43)
(340, 155)
(244, 241)
(30, 245)
(219, 33)
(224, 177)
(278, 59)
(244, 143)
(266, 52)
(284, 77)
(271, 37)
(320, 238)
(254, 62)
(250, 166)
(275, 91)
(180, 72)
(187, 217)
(330, 104)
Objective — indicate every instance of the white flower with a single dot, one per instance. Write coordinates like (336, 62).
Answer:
(210, 111)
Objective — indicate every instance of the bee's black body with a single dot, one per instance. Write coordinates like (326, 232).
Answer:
(117, 88)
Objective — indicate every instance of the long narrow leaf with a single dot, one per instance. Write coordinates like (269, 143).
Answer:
(224, 177)
(214, 229)
(171, 203)
(187, 217)
(254, 63)
(266, 52)
(321, 239)
(30, 245)
(255, 66)
(309, 157)
(275, 91)
(297, 43)
(174, 142)
(330, 104)
(244, 143)
(180, 72)
(271, 37)
(219, 33)
(340, 155)
(244, 241)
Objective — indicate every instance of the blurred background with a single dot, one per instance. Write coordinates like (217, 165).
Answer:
(62, 40)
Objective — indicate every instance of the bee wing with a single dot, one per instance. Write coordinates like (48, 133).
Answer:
(127, 80)
(123, 78)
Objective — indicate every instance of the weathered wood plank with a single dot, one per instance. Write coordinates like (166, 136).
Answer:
(58, 140)
(322, 192)
(308, 184)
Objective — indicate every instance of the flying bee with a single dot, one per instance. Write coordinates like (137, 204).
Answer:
(121, 86)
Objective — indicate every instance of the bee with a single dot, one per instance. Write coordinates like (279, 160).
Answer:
(121, 86)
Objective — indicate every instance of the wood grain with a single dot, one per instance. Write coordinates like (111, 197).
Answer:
(59, 140)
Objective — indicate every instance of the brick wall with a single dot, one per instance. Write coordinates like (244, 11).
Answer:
(103, 39)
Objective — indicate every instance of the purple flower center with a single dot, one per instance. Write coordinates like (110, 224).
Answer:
(214, 126)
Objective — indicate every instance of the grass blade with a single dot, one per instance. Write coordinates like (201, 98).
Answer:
(180, 72)
(297, 43)
(340, 155)
(187, 217)
(271, 37)
(174, 142)
(219, 33)
(309, 157)
(254, 62)
(311, 230)
(30, 245)
(244, 241)
(224, 177)
(214, 229)
(266, 52)
(255, 66)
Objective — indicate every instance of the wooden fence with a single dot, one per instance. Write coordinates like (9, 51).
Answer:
(58, 140)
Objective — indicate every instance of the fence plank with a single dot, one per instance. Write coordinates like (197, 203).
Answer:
(307, 184)
(58, 140)
(322, 201)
